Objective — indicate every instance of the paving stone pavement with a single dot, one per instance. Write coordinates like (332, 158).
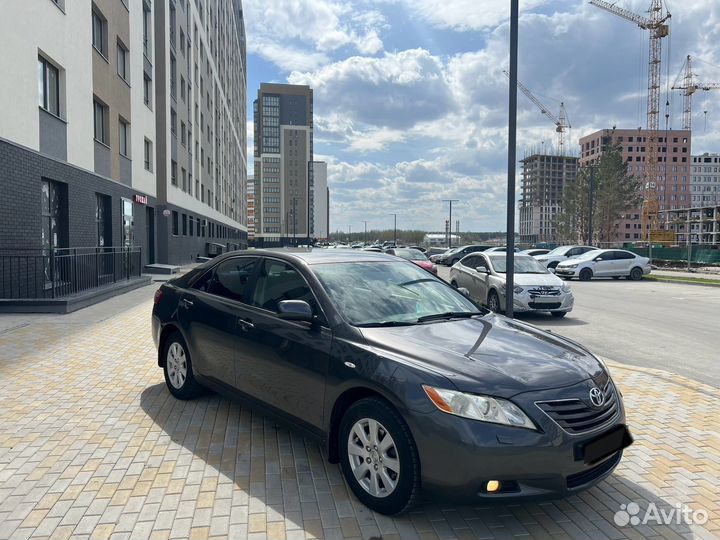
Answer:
(92, 445)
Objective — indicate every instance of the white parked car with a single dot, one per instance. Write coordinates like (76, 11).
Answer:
(615, 263)
(535, 288)
(562, 253)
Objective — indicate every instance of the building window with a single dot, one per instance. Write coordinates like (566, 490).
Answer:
(182, 88)
(124, 132)
(99, 33)
(147, 27)
(183, 175)
(175, 223)
(183, 134)
(184, 224)
(147, 91)
(100, 113)
(123, 62)
(173, 172)
(173, 122)
(173, 75)
(148, 155)
(128, 230)
(103, 220)
(48, 86)
(173, 24)
(192, 221)
(54, 215)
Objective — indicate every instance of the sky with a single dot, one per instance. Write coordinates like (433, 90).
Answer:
(411, 105)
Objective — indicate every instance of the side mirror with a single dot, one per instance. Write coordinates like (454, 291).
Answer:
(481, 270)
(464, 291)
(295, 310)
(598, 259)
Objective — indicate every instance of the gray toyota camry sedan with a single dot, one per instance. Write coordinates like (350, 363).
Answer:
(408, 383)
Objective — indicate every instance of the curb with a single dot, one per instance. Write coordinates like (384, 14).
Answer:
(663, 279)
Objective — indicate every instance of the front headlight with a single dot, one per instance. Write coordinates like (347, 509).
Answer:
(516, 288)
(565, 288)
(570, 266)
(477, 407)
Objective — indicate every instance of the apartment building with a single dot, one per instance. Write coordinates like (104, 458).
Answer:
(542, 185)
(102, 107)
(705, 183)
(283, 120)
(319, 201)
(674, 174)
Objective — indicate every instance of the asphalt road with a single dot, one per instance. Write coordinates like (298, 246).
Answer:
(668, 326)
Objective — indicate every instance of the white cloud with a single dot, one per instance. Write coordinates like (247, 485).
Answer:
(300, 34)
(466, 15)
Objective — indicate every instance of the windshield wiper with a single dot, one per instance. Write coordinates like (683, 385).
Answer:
(449, 315)
(382, 324)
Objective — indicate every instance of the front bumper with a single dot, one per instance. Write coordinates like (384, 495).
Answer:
(525, 302)
(458, 456)
(566, 272)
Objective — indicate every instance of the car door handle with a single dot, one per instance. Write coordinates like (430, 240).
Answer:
(246, 323)
(187, 303)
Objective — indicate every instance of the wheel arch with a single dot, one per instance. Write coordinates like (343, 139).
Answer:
(168, 330)
(342, 404)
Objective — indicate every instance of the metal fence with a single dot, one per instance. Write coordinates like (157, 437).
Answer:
(63, 272)
(698, 254)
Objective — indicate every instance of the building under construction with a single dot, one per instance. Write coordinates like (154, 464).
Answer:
(703, 224)
(543, 182)
(673, 173)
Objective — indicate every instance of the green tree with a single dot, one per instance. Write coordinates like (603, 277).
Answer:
(614, 193)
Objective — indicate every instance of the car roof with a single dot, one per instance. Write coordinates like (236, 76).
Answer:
(316, 256)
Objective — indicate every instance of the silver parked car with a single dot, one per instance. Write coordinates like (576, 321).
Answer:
(536, 289)
(562, 253)
(614, 263)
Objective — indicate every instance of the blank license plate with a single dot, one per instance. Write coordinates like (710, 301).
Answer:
(607, 444)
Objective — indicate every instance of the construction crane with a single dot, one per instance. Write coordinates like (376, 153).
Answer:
(657, 25)
(560, 121)
(689, 86)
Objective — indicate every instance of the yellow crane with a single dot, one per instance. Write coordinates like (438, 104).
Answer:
(657, 25)
(689, 86)
(560, 121)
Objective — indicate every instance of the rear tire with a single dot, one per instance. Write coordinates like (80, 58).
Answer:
(586, 274)
(178, 370)
(372, 430)
(636, 274)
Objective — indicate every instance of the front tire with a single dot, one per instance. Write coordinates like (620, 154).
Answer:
(586, 274)
(454, 284)
(493, 302)
(378, 456)
(178, 368)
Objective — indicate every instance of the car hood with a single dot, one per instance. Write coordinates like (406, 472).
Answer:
(573, 260)
(491, 354)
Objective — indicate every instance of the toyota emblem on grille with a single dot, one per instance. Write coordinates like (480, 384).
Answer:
(597, 397)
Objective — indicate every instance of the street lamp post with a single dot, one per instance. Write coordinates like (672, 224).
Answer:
(512, 141)
(590, 209)
(365, 235)
(394, 228)
(450, 221)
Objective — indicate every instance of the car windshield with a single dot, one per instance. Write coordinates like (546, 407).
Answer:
(560, 250)
(411, 254)
(387, 293)
(523, 265)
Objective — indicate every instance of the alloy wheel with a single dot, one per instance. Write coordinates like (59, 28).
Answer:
(493, 302)
(373, 457)
(176, 365)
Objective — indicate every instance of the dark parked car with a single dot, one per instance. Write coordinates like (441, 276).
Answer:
(406, 381)
(451, 257)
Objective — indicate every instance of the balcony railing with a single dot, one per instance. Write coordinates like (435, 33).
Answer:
(64, 272)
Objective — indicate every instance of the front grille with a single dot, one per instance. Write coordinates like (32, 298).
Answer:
(544, 292)
(577, 416)
(584, 477)
(544, 305)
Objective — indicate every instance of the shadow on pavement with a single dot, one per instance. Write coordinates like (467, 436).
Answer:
(543, 320)
(278, 472)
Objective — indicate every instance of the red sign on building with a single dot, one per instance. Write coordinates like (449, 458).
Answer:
(141, 199)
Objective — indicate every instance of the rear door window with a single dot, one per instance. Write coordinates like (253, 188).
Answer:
(229, 279)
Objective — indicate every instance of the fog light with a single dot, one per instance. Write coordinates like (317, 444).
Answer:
(492, 486)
